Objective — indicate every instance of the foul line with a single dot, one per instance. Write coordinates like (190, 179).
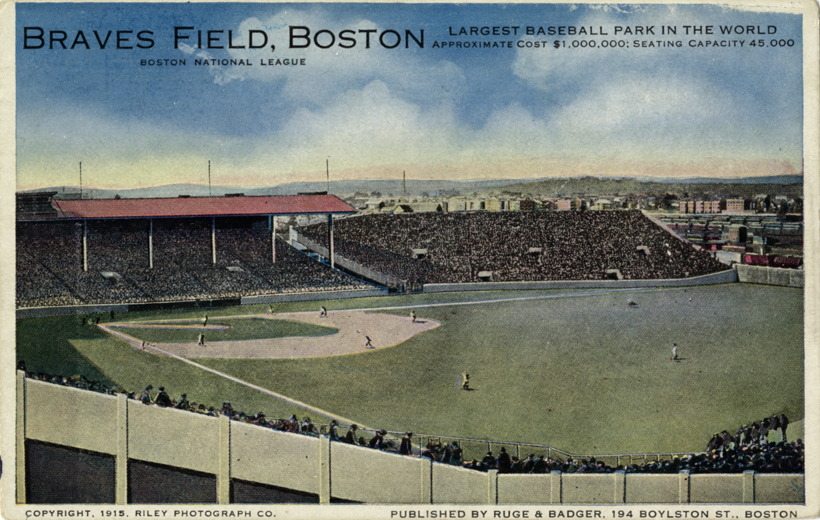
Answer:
(281, 397)
(313, 409)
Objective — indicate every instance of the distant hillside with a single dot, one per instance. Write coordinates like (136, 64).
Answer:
(789, 185)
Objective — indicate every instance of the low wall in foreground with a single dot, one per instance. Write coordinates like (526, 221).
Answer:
(770, 275)
(76, 446)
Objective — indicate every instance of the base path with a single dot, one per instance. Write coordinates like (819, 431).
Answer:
(384, 330)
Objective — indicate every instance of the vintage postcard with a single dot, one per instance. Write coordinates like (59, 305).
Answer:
(409, 260)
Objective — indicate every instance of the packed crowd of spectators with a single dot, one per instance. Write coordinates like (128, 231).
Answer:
(752, 454)
(36, 286)
(50, 264)
(514, 246)
(754, 434)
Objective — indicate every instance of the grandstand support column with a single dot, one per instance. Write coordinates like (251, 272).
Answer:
(555, 488)
(224, 477)
(324, 471)
(492, 486)
(330, 240)
(426, 494)
(150, 243)
(121, 471)
(749, 486)
(20, 452)
(272, 239)
(85, 245)
(683, 486)
(213, 240)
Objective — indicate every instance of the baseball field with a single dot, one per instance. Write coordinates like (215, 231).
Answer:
(580, 371)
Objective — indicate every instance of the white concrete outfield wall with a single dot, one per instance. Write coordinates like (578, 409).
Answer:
(773, 488)
(646, 488)
(364, 475)
(529, 489)
(172, 437)
(130, 430)
(584, 488)
(719, 487)
(71, 417)
(274, 458)
(455, 485)
(770, 275)
(728, 276)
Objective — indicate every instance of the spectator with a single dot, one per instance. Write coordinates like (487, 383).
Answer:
(162, 398)
(350, 438)
(406, 447)
(333, 432)
(377, 442)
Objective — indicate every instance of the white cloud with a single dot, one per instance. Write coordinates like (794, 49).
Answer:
(663, 102)
(329, 71)
(629, 102)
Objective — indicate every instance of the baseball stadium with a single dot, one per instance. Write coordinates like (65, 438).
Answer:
(207, 350)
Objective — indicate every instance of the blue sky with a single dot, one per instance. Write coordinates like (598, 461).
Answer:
(436, 113)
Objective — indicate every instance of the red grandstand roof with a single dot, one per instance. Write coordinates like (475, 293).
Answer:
(201, 206)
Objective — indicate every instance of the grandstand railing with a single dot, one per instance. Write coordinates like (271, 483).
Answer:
(477, 448)
(231, 454)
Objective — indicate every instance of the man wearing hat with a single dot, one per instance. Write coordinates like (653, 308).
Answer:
(162, 398)
(406, 448)
(145, 395)
(350, 438)
(183, 402)
(333, 433)
(377, 442)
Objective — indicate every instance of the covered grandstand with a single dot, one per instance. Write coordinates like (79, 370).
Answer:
(132, 251)
(80, 252)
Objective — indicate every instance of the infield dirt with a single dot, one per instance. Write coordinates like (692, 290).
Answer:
(354, 329)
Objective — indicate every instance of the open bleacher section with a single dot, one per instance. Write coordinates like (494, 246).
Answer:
(50, 262)
(464, 247)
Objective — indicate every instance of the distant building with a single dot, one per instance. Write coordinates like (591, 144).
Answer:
(419, 207)
(374, 204)
(737, 234)
(736, 205)
(601, 204)
(699, 206)
(526, 205)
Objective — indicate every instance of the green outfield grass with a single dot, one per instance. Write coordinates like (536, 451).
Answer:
(239, 329)
(585, 374)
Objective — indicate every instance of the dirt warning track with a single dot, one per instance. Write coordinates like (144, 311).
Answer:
(354, 327)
